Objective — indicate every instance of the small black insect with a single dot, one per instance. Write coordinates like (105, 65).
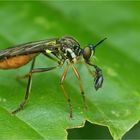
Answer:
(65, 49)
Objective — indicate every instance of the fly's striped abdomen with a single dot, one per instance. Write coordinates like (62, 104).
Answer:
(16, 61)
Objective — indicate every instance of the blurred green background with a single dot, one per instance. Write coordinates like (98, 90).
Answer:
(116, 105)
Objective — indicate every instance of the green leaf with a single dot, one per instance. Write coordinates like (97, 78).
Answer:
(46, 115)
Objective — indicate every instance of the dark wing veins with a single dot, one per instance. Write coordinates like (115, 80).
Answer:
(27, 48)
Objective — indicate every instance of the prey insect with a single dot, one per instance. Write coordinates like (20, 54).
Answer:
(62, 50)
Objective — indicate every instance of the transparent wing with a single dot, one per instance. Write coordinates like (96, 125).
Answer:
(28, 48)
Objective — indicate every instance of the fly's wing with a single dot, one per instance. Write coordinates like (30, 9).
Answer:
(29, 48)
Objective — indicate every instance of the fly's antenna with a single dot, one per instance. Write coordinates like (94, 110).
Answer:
(99, 42)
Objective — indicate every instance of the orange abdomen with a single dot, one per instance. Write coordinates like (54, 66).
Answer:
(16, 62)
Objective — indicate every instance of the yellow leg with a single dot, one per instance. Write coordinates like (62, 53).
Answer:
(64, 91)
(80, 84)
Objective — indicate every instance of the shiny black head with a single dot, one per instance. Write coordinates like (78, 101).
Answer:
(89, 50)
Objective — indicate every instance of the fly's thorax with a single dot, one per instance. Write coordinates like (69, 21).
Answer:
(71, 54)
(68, 42)
(65, 48)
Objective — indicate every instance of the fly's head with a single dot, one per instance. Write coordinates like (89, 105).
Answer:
(89, 50)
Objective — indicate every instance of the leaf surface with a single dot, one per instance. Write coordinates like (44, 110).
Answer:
(46, 115)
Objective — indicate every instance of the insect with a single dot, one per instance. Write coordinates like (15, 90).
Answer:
(62, 50)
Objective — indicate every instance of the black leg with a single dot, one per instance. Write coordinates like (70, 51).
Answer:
(97, 75)
(29, 75)
(64, 91)
(38, 70)
(80, 84)
(27, 91)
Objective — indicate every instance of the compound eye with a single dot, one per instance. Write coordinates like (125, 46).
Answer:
(88, 52)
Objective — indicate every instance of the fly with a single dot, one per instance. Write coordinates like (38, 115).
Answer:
(62, 50)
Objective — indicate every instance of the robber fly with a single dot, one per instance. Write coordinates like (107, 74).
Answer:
(63, 50)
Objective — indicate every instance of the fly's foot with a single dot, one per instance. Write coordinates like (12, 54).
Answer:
(98, 78)
(21, 106)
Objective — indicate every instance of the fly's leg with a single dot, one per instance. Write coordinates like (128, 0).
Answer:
(22, 77)
(80, 84)
(27, 90)
(60, 63)
(98, 78)
(64, 91)
(93, 73)
(37, 70)
(29, 75)
(97, 75)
